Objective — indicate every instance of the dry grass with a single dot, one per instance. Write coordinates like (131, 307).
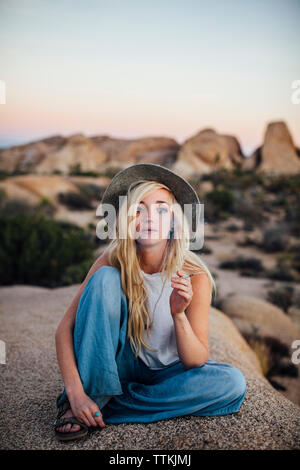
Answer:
(263, 353)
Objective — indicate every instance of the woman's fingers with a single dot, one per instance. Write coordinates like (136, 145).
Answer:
(179, 286)
(83, 418)
(89, 416)
(99, 419)
(184, 294)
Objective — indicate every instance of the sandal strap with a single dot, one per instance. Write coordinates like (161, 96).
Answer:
(62, 409)
(71, 419)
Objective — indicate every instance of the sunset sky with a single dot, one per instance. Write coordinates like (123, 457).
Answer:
(137, 68)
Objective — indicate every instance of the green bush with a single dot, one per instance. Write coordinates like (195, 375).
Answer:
(92, 191)
(2, 196)
(76, 170)
(275, 239)
(39, 251)
(18, 206)
(282, 297)
(74, 201)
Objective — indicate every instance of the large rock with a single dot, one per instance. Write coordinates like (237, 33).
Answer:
(269, 319)
(278, 153)
(207, 151)
(95, 153)
(36, 187)
(15, 192)
(125, 152)
(30, 383)
(260, 320)
(77, 150)
(27, 157)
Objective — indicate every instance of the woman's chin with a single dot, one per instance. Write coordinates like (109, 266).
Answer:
(150, 240)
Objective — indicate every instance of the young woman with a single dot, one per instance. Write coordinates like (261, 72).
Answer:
(133, 345)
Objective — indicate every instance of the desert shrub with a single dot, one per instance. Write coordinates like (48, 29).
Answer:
(76, 170)
(16, 206)
(232, 228)
(274, 239)
(263, 353)
(222, 199)
(282, 297)
(273, 356)
(248, 226)
(292, 215)
(245, 208)
(74, 201)
(282, 272)
(204, 250)
(233, 179)
(217, 205)
(12, 207)
(2, 196)
(282, 183)
(249, 264)
(111, 171)
(39, 251)
(91, 191)
(4, 174)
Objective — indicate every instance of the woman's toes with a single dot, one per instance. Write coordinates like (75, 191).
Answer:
(67, 427)
(75, 427)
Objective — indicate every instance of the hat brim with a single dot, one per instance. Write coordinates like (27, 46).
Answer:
(182, 190)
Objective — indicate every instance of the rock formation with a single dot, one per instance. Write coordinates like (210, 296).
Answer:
(31, 382)
(207, 151)
(89, 153)
(77, 150)
(278, 153)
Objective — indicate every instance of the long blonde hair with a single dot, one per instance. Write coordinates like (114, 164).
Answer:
(122, 254)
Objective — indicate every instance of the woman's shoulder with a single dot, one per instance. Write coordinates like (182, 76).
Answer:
(103, 260)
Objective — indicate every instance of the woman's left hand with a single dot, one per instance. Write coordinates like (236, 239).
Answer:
(182, 293)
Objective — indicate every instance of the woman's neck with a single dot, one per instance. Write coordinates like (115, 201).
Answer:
(150, 263)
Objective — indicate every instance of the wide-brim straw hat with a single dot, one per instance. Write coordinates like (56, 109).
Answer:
(182, 190)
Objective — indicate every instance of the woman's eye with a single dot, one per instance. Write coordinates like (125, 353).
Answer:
(163, 209)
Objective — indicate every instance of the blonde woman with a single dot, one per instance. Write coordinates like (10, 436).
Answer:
(133, 345)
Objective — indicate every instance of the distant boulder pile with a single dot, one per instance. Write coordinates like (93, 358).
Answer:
(204, 152)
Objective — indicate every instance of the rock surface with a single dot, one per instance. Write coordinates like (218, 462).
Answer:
(258, 319)
(278, 153)
(95, 153)
(30, 383)
(207, 151)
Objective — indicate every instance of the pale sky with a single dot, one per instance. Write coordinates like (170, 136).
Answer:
(138, 68)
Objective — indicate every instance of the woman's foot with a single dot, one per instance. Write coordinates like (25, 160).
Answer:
(68, 427)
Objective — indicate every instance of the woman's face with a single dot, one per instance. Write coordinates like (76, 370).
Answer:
(153, 218)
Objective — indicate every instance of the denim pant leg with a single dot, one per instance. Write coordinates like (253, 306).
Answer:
(212, 389)
(226, 389)
(103, 353)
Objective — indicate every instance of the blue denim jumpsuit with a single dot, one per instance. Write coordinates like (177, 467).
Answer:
(122, 385)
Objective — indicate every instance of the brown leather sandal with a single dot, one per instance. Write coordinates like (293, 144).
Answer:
(68, 436)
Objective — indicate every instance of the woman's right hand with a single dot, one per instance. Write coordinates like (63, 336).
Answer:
(84, 410)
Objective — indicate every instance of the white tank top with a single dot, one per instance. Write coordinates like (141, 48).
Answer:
(162, 332)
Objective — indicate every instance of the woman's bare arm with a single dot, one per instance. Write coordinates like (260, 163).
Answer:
(64, 337)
